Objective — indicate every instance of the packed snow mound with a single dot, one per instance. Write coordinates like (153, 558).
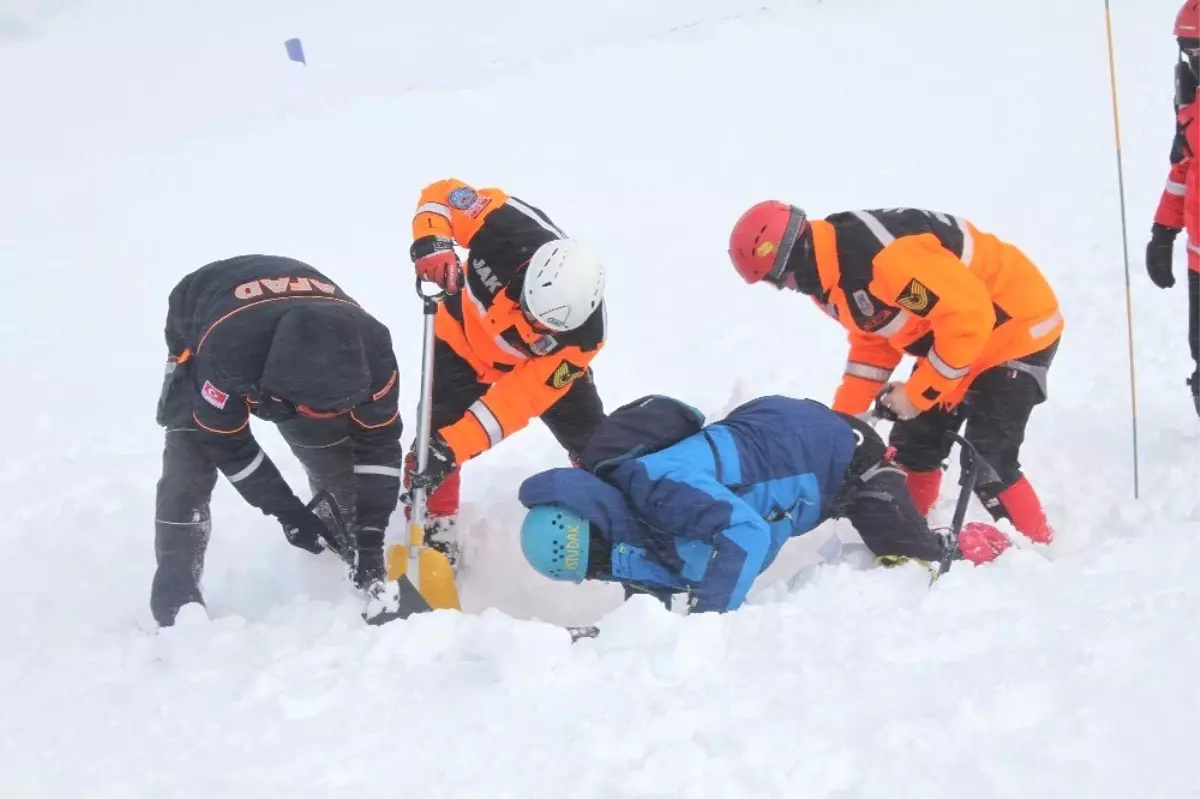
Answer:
(145, 141)
(1027, 677)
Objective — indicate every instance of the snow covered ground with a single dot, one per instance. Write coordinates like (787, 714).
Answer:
(140, 141)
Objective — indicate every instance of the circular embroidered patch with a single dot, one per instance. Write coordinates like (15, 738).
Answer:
(462, 198)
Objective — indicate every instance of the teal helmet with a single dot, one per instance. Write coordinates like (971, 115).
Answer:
(555, 541)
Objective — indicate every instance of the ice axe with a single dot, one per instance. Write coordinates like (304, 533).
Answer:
(976, 471)
(425, 568)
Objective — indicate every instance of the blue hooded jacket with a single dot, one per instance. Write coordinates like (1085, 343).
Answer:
(708, 514)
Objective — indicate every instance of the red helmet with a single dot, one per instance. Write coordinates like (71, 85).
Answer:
(1187, 22)
(762, 239)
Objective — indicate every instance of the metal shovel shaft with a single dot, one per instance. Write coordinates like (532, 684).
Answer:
(416, 531)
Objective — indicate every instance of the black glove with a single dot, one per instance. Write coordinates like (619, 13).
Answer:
(1159, 253)
(369, 562)
(441, 464)
(303, 529)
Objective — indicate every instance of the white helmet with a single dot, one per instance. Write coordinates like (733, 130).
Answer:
(564, 284)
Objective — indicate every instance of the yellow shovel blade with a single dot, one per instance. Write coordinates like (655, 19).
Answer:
(436, 575)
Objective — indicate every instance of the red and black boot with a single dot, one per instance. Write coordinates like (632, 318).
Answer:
(1019, 504)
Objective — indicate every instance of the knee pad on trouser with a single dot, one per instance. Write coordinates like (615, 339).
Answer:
(179, 549)
(1020, 504)
(923, 487)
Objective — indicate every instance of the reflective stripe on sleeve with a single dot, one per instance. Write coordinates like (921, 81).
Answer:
(944, 369)
(488, 421)
(895, 326)
(1045, 326)
(434, 208)
(867, 372)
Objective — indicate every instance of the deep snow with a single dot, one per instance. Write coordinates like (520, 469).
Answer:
(140, 142)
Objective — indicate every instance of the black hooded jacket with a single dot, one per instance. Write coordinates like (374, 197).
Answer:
(262, 334)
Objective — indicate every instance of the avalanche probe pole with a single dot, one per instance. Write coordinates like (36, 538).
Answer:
(1112, 82)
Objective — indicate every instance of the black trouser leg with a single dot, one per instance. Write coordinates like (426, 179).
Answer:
(325, 450)
(921, 443)
(875, 499)
(883, 513)
(574, 418)
(1194, 313)
(997, 409)
(996, 421)
(182, 524)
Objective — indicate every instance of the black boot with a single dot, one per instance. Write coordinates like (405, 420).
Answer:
(179, 549)
(1194, 383)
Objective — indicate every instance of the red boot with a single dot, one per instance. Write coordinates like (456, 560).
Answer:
(1021, 504)
(924, 488)
(981, 543)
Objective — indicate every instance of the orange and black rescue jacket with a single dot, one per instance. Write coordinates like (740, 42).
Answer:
(932, 285)
(528, 370)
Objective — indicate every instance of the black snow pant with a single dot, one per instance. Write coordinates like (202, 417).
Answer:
(183, 521)
(572, 420)
(1194, 331)
(875, 499)
(996, 411)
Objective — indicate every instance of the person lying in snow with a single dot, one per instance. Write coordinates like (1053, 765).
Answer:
(665, 504)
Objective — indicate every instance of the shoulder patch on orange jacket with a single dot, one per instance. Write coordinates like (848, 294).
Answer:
(917, 298)
(565, 374)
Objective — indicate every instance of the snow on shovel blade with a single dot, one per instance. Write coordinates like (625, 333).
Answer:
(397, 598)
(391, 600)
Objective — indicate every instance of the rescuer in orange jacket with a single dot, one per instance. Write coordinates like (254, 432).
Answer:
(516, 334)
(978, 316)
(1179, 207)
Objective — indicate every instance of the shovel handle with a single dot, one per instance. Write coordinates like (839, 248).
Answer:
(430, 300)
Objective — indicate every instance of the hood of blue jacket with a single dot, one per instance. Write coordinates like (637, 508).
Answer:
(584, 493)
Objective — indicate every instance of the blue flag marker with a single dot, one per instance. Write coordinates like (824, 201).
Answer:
(295, 50)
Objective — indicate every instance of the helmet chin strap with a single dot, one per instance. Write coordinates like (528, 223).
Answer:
(804, 268)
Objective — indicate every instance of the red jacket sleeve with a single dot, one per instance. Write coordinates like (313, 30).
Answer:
(1170, 205)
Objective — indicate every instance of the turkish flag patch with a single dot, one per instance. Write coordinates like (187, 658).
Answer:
(213, 395)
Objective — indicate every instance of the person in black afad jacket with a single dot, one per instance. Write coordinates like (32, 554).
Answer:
(273, 337)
